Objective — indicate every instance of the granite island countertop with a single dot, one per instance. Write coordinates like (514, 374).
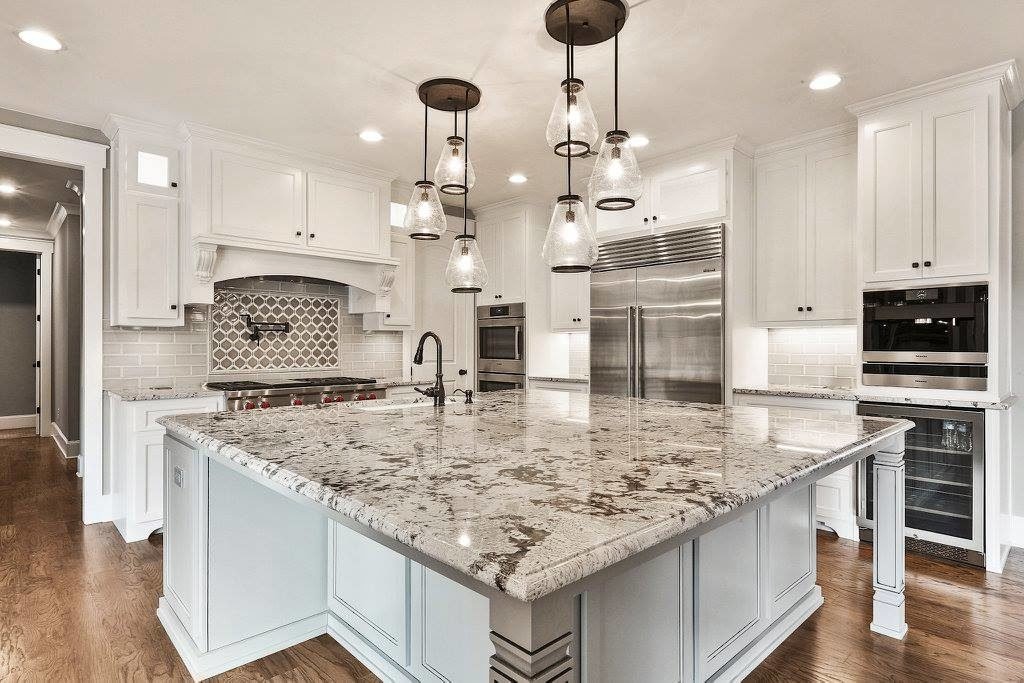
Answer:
(531, 491)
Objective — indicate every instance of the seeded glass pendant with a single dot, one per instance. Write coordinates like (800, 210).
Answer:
(577, 117)
(616, 182)
(424, 217)
(454, 173)
(466, 272)
(570, 245)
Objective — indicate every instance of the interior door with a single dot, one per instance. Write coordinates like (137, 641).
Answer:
(679, 331)
(612, 301)
(448, 315)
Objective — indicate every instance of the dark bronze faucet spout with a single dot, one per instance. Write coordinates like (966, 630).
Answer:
(436, 391)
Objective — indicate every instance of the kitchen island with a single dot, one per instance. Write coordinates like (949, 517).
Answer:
(530, 536)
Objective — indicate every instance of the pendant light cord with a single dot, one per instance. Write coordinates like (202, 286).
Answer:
(616, 108)
(426, 109)
(568, 101)
(465, 172)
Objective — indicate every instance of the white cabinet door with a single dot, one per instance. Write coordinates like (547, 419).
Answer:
(889, 183)
(147, 262)
(831, 234)
(152, 167)
(512, 239)
(448, 315)
(955, 188)
(185, 552)
(488, 239)
(369, 589)
(147, 499)
(256, 199)
(345, 214)
(446, 612)
(570, 295)
(690, 192)
(791, 549)
(609, 225)
(781, 221)
(403, 291)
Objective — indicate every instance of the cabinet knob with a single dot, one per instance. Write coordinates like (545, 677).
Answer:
(174, 183)
(800, 308)
(655, 218)
(645, 219)
(312, 235)
(915, 264)
(298, 233)
(809, 309)
(174, 307)
(387, 315)
(927, 264)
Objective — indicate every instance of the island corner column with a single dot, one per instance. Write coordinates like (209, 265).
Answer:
(534, 641)
(888, 605)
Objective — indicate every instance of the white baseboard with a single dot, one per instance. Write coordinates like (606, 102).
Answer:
(17, 421)
(1017, 531)
(69, 449)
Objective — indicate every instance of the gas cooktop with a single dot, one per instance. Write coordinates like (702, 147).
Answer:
(290, 383)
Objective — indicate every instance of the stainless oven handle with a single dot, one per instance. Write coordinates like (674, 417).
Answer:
(517, 343)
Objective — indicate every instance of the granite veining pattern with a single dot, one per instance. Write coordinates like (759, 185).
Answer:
(531, 491)
(866, 395)
(568, 379)
(149, 394)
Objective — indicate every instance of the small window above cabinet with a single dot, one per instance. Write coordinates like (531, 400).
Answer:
(152, 168)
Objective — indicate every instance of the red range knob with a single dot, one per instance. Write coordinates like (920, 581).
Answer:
(296, 401)
(373, 397)
(361, 397)
(265, 403)
(249, 405)
(327, 398)
(339, 398)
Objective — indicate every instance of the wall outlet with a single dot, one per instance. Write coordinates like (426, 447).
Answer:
(179, 477)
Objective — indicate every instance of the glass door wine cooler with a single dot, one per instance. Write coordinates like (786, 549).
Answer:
(945, 459)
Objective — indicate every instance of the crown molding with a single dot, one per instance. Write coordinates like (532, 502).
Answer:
(804, 139)
(1007, 73)
(115, 123)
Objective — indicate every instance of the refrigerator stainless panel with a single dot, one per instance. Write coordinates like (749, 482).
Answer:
(679, 331)
(612, 297)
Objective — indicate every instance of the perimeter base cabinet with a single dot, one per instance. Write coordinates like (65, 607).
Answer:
(136, 452)
(933, 173)
(836, 495)
(805, 231)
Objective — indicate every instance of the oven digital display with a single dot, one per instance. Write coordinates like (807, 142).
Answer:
(499, 311)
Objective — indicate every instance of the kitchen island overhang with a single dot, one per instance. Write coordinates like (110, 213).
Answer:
(676, 498)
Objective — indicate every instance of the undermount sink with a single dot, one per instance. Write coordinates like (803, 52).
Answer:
(403, 403)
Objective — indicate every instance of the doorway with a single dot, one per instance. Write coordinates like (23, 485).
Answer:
(19, 335)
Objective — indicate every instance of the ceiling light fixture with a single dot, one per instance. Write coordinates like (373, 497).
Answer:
(40, 39)
(7, 188)
(616, 182)
(825, 81)
(424, 216)
(637, 141)
(370, 135)
(454, 172)
(517, 178)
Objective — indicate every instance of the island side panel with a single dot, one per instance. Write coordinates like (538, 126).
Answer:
(889, 607)
(535, 641)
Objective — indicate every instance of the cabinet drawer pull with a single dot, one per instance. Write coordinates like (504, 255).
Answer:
(915, 264)
(927, 264)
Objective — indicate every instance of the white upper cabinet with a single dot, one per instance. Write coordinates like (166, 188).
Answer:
(343, 212)
(687, 191)
(570, 302)
(805, 233)
(152, 167)
(257, 199)
(502, 242)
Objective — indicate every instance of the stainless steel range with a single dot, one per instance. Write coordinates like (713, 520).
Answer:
(247, 395)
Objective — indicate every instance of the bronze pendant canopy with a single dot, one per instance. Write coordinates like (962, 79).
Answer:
(589, 22)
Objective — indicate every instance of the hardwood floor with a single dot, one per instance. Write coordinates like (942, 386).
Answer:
(78, 604)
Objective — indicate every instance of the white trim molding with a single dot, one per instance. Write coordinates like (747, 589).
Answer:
(1017, 531)
(91, 158)
(60, 213)
(17, 421)
(1007, 73)
(804, 139)
(68, 447)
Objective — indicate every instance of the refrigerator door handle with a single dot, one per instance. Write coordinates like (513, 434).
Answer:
(638, 353)
(630, 348)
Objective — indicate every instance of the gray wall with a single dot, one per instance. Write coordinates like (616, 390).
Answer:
(67, 326)
(17, 333)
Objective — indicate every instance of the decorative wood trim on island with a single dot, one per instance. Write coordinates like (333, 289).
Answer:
(889, 557)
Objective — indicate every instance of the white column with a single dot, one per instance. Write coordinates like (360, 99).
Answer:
(889, 617)
(534, 641)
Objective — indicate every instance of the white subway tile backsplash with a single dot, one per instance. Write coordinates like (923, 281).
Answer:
(813, 356)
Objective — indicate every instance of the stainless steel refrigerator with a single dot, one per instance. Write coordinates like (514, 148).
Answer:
(656, 317)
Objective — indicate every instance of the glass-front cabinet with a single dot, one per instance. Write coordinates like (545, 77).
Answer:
(944, 479)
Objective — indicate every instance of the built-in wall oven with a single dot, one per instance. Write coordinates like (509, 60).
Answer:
(501, 347)
(945, 488)
(933, 337)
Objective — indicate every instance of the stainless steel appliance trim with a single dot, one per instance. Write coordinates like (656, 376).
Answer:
(515, 310)
(500, 322)
(638, 333)
(517, 354)
(977, 420)
(514, 367)
(925, 381)
(517, 379)
(693, 244)
(966, 358)
(631, 350)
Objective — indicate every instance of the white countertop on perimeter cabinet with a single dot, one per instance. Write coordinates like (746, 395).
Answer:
(865, 394)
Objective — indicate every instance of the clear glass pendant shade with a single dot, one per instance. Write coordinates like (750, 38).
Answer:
(424, 216)
(570, 245)
(451, 174)
(466, 272)
(582, 122)
(616, 182)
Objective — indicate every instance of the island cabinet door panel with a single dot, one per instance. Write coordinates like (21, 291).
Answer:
(184, 556)
(728, 572)
(791, 548)
(344, 214)
(258, 199)
(450, 629)
(633, 623)
(267, 565)
(369, 590)
(148, 493)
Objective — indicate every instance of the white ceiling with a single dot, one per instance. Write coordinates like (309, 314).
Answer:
(313, 73)
(39, 188)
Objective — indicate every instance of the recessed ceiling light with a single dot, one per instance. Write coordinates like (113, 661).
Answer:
(517, 178)
(824, 81)
(638, 141)
(7, 188)
(40, 39)
(5, 222)
(370, 135)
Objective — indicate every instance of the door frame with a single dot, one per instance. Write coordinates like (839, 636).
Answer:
(43, 250)
(91, 159)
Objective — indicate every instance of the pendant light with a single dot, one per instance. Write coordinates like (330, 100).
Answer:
(615, 183)
(466, 272)
(572, 130)
(454, 172)
(424, 216)
(570, 245)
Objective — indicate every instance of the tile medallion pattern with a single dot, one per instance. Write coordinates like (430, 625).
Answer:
(312, 343)
(531, 491)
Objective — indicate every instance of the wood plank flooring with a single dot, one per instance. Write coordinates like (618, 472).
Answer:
(78, 604)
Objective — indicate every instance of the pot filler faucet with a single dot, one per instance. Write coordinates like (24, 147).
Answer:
(437, 391)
